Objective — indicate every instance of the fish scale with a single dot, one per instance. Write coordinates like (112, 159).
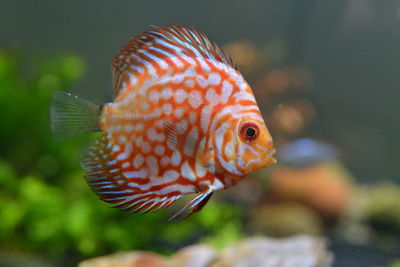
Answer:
(177, 124)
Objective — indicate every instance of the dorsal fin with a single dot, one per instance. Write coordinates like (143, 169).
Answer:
(162, 43)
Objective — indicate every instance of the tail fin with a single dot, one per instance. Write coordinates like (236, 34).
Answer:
(72, 116)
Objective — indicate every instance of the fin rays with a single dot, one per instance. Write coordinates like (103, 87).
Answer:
(195, 205)
(107, 181)
(72, 116)
(164, 43)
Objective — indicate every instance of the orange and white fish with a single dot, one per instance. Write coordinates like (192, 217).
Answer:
(183, 121)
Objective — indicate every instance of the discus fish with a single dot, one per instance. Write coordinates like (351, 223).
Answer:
(183, 121)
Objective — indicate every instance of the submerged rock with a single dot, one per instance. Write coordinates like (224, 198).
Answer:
(194, 256)
(299, 251)
(126, 259)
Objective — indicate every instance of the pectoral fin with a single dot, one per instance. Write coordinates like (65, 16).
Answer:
(195, 205)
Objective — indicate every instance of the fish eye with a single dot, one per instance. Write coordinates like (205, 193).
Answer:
(249, 131)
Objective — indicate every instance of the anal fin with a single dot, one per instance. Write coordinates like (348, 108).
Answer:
(106, 179)
(144, 202)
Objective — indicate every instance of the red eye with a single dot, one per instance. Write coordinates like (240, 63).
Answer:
(249, 131)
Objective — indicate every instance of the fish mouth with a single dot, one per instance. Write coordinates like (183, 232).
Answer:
(270, 155)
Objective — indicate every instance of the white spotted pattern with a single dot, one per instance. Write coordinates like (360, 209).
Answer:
(146, 147)
(187, 172)
(154, 96)
(166, 93)
(142, 173)
(152, 164)
(190, 143)
(159, 150)
(152, 134)
(195, 99)
(126, 165)
(122, 139)
(200, 170)
(139, 127)
(128, 128)
(122, 156)
(138, 161)
(189, 83)
(176, 158)
(178, 113)
(167, 109)
(170, 176)
(180, 96)
(205, 119)
(192, 117)
(116, 148)
(214, 79)
(201, 81)
(165, 161)
(138, 141)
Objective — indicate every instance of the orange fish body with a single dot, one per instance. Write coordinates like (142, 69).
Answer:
(183, 121)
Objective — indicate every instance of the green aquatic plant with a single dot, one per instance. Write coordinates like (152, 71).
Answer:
(396, 263)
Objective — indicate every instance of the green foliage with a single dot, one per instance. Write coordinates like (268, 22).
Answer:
(285, 219)
(46, 206)
(395, 264)
(381, 207)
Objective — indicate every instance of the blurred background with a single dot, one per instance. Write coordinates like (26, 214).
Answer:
(326, 77)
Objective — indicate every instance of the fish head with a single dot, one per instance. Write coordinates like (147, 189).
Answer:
(255, 145)
(244, 144)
